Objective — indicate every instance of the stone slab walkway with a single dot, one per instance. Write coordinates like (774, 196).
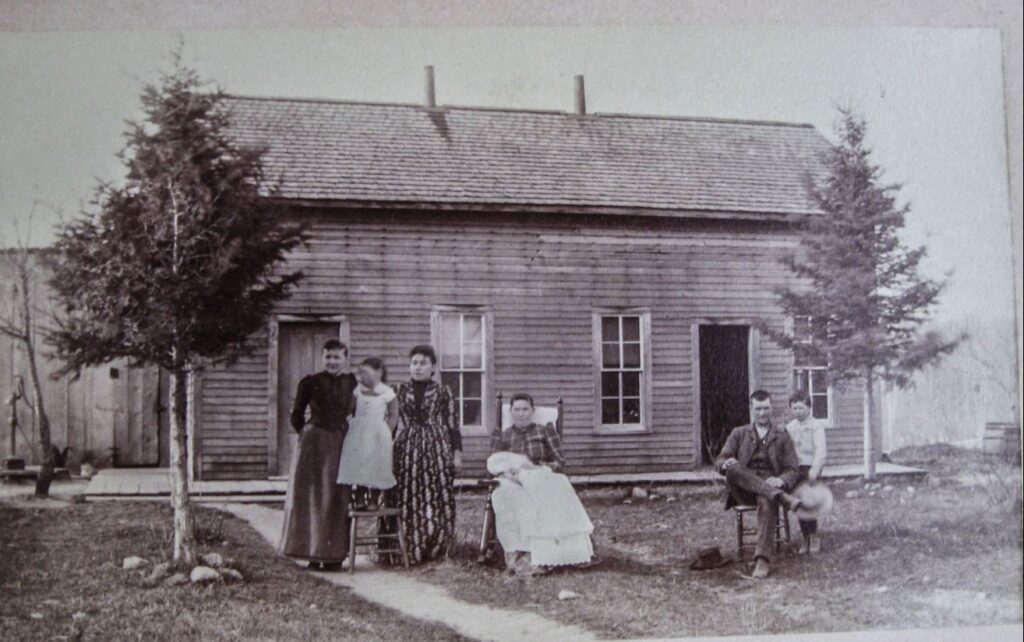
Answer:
(399, 591)
(154, 482)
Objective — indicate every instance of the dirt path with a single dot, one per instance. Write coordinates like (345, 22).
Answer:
(420, 600)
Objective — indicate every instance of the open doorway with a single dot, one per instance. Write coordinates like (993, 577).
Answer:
(724, 384)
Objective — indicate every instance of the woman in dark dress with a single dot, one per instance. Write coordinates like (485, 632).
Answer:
(315, 523)
(428, 453)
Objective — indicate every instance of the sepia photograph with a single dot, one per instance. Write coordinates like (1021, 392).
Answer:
(510, 321)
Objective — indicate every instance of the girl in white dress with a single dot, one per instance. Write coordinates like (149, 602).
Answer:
(366, 461)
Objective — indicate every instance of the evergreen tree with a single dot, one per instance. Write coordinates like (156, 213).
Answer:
(858, 287)
(176, 266)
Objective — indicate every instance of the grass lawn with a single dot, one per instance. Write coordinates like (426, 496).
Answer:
(55, 562)
(940, 555)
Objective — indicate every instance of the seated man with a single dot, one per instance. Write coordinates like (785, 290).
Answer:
(760, 464)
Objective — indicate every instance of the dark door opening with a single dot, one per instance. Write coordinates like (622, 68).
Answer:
(724, 384)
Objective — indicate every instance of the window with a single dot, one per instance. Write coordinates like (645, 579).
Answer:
(811, 374)
(461, 336)
(622, 359)
(815, 381)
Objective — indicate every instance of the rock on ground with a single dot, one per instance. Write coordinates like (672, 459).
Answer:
(132, 563)
(176, 580)
(213, 560)
(231, 575)
(203, 575)
(159, 572)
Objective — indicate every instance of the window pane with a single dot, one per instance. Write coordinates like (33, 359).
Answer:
(630, 384)
(631, 411)
(819, 380)
(609, 411)
(802, 329)
(473, 355)
(800, 379)
(609, 328)
(630, 328)
(472, 328)
(449, 352)
(819, 406)
(610, 352)
(471, 413)
(609, 384)
(472, 385)
(631, 355)
(451, 379)
(450, 326)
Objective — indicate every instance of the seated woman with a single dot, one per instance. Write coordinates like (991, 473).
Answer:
(538, 517)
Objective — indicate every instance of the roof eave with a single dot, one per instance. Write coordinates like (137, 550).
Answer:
(565, 208)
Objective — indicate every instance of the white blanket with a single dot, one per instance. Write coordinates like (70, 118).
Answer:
(537, 511)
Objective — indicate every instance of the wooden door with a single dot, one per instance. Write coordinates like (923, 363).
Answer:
(139, 416)
(724, 384)
(298, 354)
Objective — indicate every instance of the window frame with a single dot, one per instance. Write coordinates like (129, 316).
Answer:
(487, 361)
(798, 369)
(646, 379)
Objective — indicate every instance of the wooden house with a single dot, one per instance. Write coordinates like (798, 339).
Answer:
(622, 263)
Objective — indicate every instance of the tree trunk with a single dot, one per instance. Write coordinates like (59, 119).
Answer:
(45, 477)
(870, 447)
(184, 533)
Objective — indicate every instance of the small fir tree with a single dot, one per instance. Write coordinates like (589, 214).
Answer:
(858, 285)
(176, 267)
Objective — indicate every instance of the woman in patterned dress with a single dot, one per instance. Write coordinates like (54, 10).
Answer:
(428, 453)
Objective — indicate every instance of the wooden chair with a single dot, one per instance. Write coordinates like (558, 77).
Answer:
(377, 514)
(746, 536)
(488, 534)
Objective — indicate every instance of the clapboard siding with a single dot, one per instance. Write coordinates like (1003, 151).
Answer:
(233, 418)
(541, 277)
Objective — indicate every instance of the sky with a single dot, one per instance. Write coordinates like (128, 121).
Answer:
(933, 99)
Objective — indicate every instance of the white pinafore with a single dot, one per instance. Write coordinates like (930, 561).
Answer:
(366, 454)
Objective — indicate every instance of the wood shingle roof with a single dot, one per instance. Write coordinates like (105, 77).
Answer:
(336, 151)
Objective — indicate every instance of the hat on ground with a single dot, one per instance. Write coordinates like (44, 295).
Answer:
(709, 558)
(815, 500)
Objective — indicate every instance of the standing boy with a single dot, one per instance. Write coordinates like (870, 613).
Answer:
(808, 434)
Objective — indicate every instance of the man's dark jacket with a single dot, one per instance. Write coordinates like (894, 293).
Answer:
(782, 457)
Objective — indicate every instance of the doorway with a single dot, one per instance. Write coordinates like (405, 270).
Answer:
(298, 354)
(140, 421)
(724, 384)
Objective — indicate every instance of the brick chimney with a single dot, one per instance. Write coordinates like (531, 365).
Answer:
(581, 97)
(428, 99)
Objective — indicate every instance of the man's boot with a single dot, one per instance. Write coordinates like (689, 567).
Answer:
(761, 569)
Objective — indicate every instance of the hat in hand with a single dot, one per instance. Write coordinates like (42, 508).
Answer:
(815, 500)
(709, 558)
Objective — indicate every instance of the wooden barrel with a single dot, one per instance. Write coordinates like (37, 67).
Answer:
(996, 440)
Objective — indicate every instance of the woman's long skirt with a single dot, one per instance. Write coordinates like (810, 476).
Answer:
(424, 492)
(315, 523)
